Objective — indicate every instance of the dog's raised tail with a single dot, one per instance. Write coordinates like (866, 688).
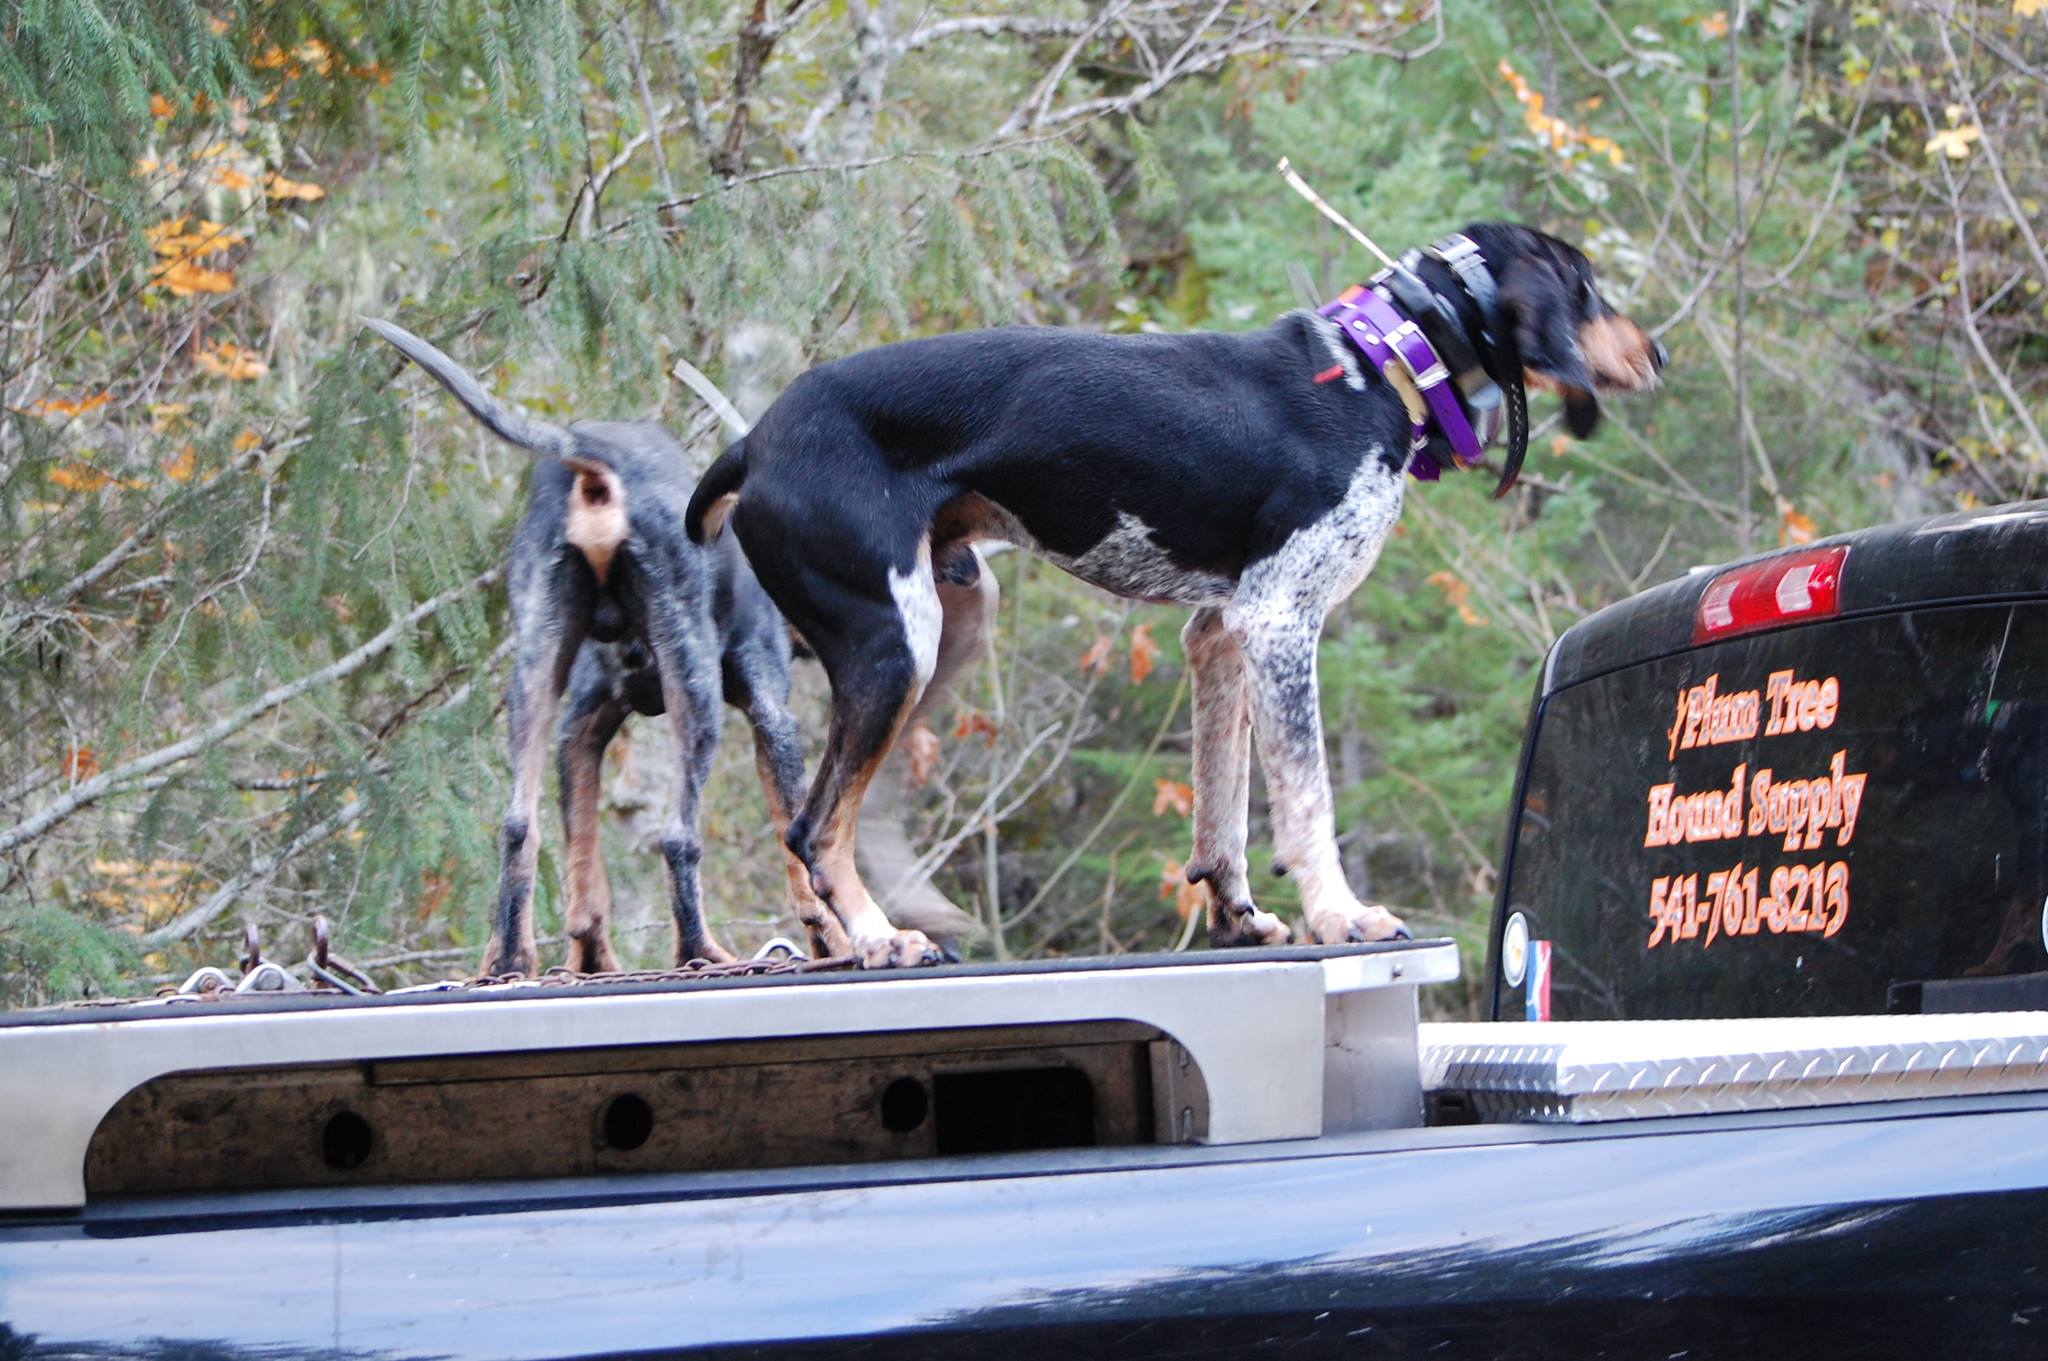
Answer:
(715, 493)
(507, 423)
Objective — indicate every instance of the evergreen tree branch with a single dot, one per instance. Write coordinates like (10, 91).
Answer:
(90, 791)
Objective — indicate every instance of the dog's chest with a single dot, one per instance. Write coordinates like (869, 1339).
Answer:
(1323, 561)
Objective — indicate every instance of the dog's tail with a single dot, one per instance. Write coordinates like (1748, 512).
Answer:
(507, 423)
(715, 492)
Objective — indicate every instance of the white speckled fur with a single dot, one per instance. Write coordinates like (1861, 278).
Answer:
(1129, 562)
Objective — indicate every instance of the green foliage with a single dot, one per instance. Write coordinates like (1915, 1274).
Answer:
(209, 537)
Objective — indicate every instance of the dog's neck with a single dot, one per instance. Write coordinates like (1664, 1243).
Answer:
(1394, 340)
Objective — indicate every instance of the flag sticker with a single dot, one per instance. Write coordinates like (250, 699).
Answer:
(1536, 1005)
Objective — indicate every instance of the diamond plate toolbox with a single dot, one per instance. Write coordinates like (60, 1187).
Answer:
(1578, 1072)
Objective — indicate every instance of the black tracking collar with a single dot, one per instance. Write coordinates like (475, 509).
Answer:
(1464, 259)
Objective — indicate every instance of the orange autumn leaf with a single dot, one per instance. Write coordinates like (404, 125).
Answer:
(975, 723)
(1173, 883)
(1144, 653)
(227, 177)
(1794, 527)
(225, 359)
(69, 406)
(181, 468)
(80, 477)
(277, 186)
(1457, 594)
(1714, 25)
(1174, 797)
(921, 747)
(80, 764)
(159, 107)
(1560, 135)
(1096, 659)
(246, 441)
(184, 279)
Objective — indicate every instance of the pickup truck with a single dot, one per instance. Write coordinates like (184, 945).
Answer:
(1764, 1073)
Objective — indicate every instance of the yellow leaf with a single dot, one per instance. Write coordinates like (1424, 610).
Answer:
(227, 177)
(277, 186)
(1954, 142)
(181, 468)
(246, 441)
(164, 415)
(2027, 9)
(229, 360)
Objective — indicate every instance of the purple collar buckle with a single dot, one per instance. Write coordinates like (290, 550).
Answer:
(1375, 327)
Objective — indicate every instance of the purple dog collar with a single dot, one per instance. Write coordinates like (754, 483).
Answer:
(1377, 330)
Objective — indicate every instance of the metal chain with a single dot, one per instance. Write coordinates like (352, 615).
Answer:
(324, 973)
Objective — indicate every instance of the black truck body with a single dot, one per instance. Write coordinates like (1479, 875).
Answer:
(1749, 1123)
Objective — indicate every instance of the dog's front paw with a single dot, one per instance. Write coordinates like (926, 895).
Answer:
(1243, 924)
(1358, 924)
(898, 950)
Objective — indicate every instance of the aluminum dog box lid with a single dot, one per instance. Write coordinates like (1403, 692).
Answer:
(1576, 1072)
(1243, 1045)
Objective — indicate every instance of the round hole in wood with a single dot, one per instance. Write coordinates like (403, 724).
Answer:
(346, 1141)
(628, 1122)
(905, 1103)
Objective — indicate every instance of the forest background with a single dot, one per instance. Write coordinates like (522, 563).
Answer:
(252, 639)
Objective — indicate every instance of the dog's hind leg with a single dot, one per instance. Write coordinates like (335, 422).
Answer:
(591, 722)
(878, 651)
(968, 604)
(1223, 777)
(540, 671)
(686, 655)
(779, 760)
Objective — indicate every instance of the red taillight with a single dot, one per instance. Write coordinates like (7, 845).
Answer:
(1791, 589)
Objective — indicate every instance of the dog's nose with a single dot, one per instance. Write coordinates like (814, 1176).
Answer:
(1658, 354)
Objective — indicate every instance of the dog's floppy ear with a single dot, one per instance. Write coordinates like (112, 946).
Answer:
(1547, 334)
